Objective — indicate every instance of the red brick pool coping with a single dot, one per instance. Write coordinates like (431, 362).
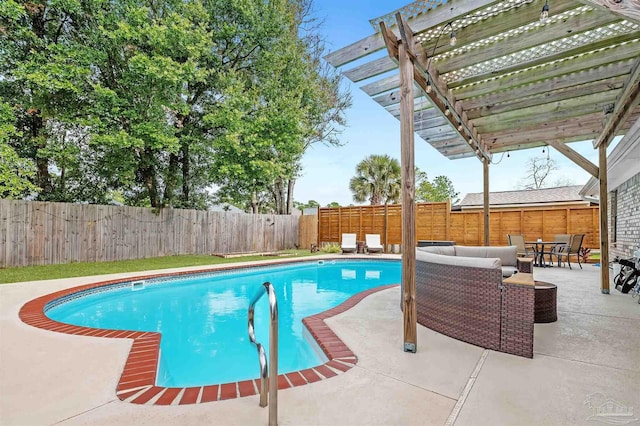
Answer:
(137, 382)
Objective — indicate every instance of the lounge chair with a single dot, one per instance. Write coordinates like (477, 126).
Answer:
(522, 249)
(348, 243)
(373, 243)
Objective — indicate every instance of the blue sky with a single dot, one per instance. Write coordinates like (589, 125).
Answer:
(372, 130)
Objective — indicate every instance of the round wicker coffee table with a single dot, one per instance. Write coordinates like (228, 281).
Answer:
(545, 302)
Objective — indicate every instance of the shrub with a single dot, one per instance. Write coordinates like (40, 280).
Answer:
(332, 248)
(584, 254)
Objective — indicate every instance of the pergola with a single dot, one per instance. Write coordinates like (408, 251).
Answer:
(478, 77)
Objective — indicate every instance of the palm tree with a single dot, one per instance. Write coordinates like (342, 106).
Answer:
(378, 179)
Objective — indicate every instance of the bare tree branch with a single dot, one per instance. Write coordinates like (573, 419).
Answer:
(538, 170)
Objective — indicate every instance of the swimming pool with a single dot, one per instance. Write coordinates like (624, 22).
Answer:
(203, 318)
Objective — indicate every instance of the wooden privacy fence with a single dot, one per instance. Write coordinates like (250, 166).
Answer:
(36, 233)
(307, 231)
(436, 221)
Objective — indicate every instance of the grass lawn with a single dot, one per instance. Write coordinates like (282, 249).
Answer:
(68, 270)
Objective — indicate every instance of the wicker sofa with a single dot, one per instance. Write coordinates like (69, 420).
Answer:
(460, 292)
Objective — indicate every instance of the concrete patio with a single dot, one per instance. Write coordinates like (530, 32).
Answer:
(588, 358)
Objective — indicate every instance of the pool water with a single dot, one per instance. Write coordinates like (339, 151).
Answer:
(203, 319)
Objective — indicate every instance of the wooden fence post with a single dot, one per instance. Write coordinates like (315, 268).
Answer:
(386, 218)
(447, 220)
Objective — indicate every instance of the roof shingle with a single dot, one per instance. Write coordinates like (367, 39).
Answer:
(526, 196)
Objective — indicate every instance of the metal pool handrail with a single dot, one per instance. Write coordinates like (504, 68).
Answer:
(270, 377)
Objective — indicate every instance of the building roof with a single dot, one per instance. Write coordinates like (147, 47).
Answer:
(561, 194)
(622, 163)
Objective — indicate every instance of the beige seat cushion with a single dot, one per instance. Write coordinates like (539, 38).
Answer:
(472, 262)
(445, 250)
(507, 254)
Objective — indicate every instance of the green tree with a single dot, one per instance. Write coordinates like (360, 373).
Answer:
(323, 99)
(262, 136)
(146, 56)
(325, 121)
(333, 204)
(15, 172)
(290, 102)
(157, 101)
(377, 180)
(93, 82)
(438, 190)
(309, 204)
(230, 104)
(45, 75)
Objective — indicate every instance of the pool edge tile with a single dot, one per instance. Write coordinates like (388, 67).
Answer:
(209, 393)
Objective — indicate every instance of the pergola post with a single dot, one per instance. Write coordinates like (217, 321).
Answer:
(604, 214)
(625, 103)
(408, 199)
(485, 175)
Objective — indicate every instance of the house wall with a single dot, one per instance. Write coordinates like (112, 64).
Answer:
(628, 219)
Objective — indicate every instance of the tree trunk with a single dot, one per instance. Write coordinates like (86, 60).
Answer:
(254, 203)
(290, 185)
(148, 174)
(62, 183)
(279, 196)
(185, 175)
(43, 177)
(172, 179)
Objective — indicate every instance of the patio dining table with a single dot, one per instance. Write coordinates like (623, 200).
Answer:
(539, 252)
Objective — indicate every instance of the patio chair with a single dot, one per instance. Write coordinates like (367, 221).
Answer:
(522, 249)
(573, 249)
(348, 243)
(373, 243)
(562, 243)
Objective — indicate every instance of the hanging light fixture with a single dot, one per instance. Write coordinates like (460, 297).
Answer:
(459, 126)
(543, 149)
(447, 111)
(544, 14)
(428, 89)
(508, 154)
(453, 39)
